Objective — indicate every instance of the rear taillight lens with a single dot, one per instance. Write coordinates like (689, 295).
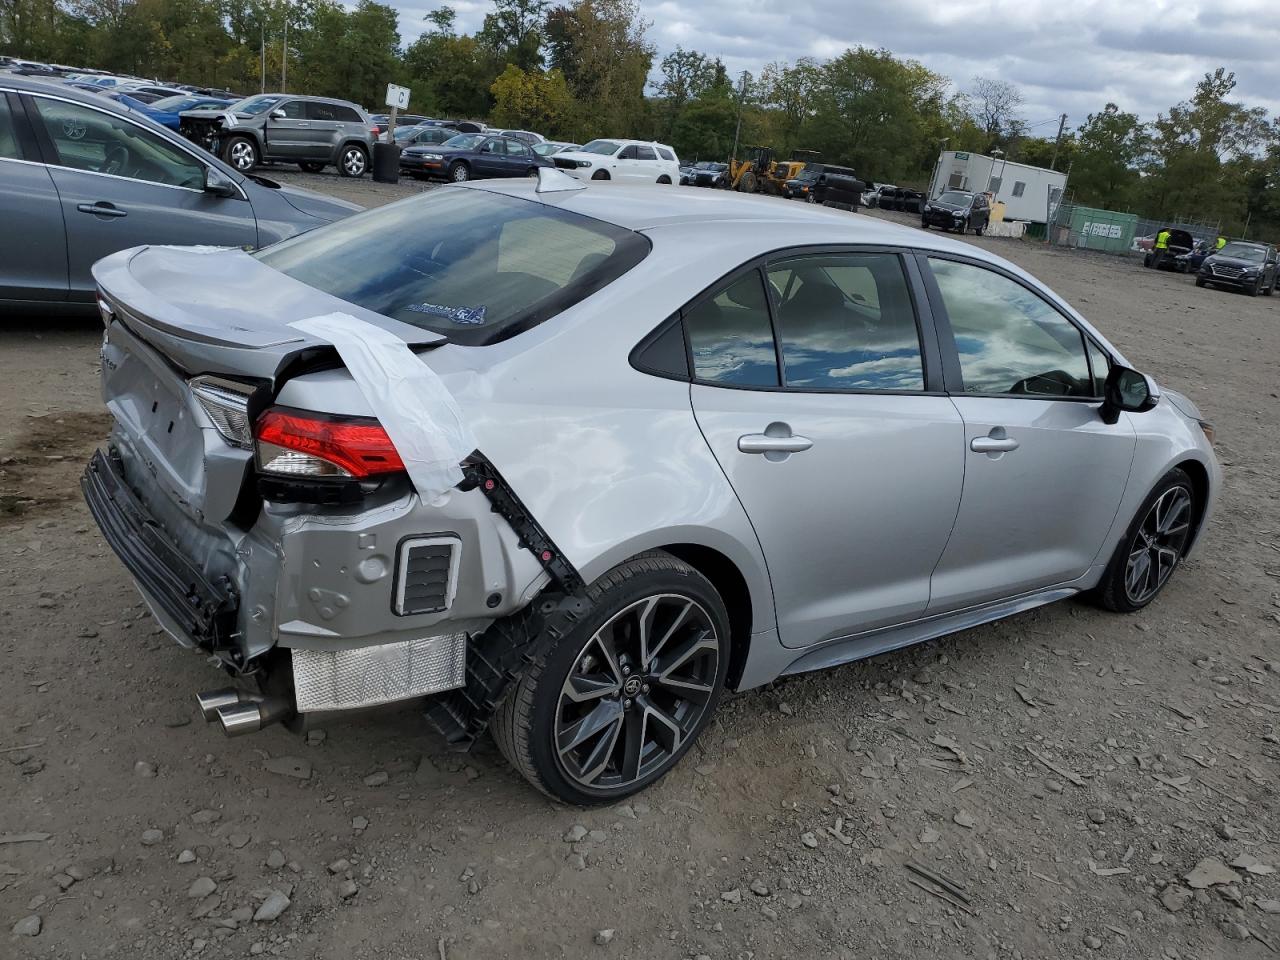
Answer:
(294, 443)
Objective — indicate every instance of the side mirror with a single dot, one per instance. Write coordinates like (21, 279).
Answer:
(218, 183)
(1127, 390)
(277, 114)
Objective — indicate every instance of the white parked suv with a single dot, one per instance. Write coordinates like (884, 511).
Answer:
(631, 161)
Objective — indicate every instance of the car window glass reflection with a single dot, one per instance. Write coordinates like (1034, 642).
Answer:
(846, 323)
(98, 142)
(1008, 339)
(731, 337)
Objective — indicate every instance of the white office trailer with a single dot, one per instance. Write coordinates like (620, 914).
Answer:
(1028, 193)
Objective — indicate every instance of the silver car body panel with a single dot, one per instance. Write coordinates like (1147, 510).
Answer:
(613, 462)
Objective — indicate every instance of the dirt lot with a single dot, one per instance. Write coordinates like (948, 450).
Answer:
(1066, 770)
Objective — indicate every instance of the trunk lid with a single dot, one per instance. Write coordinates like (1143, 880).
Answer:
(222, 311)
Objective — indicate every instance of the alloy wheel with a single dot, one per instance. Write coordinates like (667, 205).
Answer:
(353, 162)
(636, 692)
(1157, 545)
(242, 155)
(460, 173)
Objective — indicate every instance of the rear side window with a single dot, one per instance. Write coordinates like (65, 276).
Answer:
(666, 154)
(8, 132)
(347, 115)
(846, 322)
(474, 266)
(731, 337)
(645, 153)
(630, 152)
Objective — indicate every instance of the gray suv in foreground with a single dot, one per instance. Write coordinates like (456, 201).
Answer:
(568, 461)
(82, 176)
(313, 132)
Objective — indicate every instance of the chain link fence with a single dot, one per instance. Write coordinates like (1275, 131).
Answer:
(1124, 234)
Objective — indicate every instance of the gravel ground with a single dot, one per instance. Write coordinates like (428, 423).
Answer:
(1086, 784)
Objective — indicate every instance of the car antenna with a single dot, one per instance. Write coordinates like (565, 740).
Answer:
(551, 180)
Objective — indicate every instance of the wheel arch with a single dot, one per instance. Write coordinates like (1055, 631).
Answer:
(732, 587)
(352, 142)
(1200, 484)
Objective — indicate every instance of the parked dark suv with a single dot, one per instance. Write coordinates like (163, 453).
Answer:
(957, 210)
(810, 183)
(313, 132)
(1250, 267)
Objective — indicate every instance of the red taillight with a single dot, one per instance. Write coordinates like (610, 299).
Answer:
(297, 444)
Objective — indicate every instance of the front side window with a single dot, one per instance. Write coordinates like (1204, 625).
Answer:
(1009, 340)
(731, 337)
(297, 110)
(87, 139)
(474, 266)
(846, 322)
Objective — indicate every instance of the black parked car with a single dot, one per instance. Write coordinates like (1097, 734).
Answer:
(810, 184)
(957, 210)
(381, 120)
(422, 136)
(708, 173)
(473, 156)
(1250, 267)
(1190, 262)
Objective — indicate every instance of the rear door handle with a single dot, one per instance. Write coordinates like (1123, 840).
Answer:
(763, 443)
(101, 209)
(993, 444)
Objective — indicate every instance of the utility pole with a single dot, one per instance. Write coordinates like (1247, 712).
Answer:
(284, 51)
(742, 100)
(1062, 126)
(262, 73)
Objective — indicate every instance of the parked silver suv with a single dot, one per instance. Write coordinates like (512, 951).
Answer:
(576, 459)
(313, 132)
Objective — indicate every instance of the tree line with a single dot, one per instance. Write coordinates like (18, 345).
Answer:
(579, 70)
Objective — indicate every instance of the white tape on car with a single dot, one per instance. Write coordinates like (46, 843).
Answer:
(420, 415)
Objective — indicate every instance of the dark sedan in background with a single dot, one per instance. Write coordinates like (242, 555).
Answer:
(708, 173)
(1250, 267)
(472, 156)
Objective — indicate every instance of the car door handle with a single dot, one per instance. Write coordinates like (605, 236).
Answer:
(993, 444)
(101, 209)
(763, 443)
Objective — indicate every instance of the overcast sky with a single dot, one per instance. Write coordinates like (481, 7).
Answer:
(1067, 56)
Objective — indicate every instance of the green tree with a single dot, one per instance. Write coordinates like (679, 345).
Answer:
(514, 31)
(534, 100)
(1110, 146)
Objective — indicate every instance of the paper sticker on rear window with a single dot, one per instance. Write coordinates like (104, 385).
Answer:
(467, 315)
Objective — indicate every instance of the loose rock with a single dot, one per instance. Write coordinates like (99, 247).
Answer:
(275, 904)
(151, 837)
(201, 888)
(1209, 872)
(27, 926)
(604, 937)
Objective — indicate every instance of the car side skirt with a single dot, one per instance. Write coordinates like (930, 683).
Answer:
(872, 643)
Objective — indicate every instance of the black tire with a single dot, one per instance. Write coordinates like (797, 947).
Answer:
(1254, 288)
(600, 175)
(311, 166)
(525, 724)
(664, 179)
(459, 172)
(532, 173)
(242, 154)
(353, 161)
(924, 224)
(1199, 281)
(1115, 591)
(1271, 289)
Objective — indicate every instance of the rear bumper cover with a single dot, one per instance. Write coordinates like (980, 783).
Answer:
(204, 610)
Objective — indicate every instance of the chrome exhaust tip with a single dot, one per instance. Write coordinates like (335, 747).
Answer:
(248, 716)
(211, 701)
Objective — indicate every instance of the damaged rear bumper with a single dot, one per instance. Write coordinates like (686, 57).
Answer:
(203, 610)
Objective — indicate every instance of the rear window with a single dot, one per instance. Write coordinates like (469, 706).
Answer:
(475, 266)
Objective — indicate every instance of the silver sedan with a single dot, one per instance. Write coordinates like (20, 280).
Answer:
(567, 461)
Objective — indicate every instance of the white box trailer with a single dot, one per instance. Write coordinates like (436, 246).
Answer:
(1028, 193)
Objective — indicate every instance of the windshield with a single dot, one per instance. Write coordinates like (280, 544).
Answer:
(176, 104)
(131, 103)
(404, 133)
(809, 173)
(477, 267)
(255, 105)
(953, 197)
(1243, 251)
(465, 141)
(601, 146)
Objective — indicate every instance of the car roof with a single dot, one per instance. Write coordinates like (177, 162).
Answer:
(648, 207)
